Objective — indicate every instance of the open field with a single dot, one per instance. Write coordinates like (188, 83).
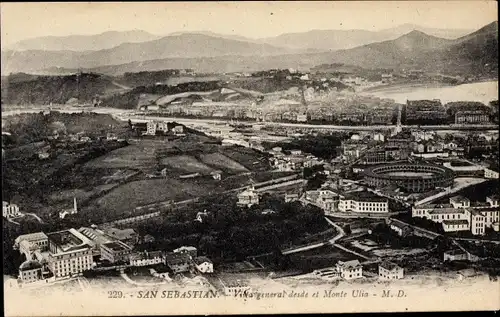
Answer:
(186, 164)
(67, 195)
(222, 162)
(249, 158)
(128, 196)
(141, 155)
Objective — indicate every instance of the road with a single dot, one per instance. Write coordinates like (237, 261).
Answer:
(120, 85)
(339, 236)
(465, 182)
(146, 118)
(130, 281)
(125, 115)
(36, 217)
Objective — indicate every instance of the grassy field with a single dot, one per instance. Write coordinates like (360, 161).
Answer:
(185, 164)
(130, 195)
(249, 158)
(141, 155)
(220, 161)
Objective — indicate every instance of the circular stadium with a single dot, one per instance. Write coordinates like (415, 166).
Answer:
(411, 177)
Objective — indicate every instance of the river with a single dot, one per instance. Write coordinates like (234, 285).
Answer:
(482, 91)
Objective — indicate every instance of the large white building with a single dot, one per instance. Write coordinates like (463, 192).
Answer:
(390, 271)
(203, 264)
(10, 210)
(147, 258)
(461, 215)
(350, 270)
(153, 126)
(248, 197)
(365, 202)
(27, 244)
(69, 253)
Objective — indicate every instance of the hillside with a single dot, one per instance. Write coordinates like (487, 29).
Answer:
(83, 42)
(218, 64)
(326, 39)
(465, 55)
(55, 89)
(28, 128)
(178, 46)
(130, 99)
(206, 53)
(345, 39)
(401, 52)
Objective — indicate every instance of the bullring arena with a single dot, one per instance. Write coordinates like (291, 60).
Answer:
(411, 177)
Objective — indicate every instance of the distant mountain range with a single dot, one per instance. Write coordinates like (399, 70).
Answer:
(432, 49)
(344, 39)
(97, 42)
(476, 52)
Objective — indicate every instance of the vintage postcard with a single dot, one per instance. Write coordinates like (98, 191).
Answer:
(183, 158)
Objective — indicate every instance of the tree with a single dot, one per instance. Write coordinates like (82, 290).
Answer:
(347, 229)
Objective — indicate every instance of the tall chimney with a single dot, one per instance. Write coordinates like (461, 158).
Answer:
(75, 207)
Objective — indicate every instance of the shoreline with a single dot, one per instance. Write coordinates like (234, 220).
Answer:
(430, 84)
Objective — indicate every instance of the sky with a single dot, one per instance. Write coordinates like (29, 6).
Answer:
(251, 19)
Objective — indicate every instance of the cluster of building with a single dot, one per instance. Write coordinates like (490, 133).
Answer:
(69, 253)
(295, 161)
(351, 270)
(462, 215)
(153, 127)
(375, 148)
(348, 197)
(418, 111)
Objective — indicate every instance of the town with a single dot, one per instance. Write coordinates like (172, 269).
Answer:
(276, 161)
(378, 192)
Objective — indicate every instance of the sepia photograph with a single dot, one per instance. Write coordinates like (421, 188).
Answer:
(180, 158)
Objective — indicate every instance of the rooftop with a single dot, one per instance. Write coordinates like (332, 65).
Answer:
(30, 265)
(32, 237)
(177, 258)
(479, 204)
(201, 259)
(365, 196)
(494, 197)
(390, 266)
(459, 199)
(185, 249)
(117, 246)
(121, 234)
(433, 206)
(68, 240)
(353, 264)
(400, 225)
(96, 236)
(438, 211)
(146, 255)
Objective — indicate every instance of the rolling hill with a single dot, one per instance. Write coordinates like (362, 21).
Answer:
(177, 46)
(418, 50)
(472, 53)
(345, 39)
(83, 42)
(55, 89)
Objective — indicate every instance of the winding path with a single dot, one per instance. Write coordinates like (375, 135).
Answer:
(130, 281)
